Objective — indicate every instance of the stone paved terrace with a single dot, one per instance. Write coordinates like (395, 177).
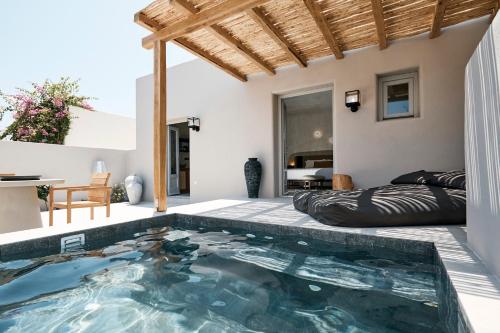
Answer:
(478, 291)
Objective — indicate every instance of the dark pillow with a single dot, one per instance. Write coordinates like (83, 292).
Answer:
(450, 179)
(418, 177)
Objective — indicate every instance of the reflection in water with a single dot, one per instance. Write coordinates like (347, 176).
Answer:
(220, 281)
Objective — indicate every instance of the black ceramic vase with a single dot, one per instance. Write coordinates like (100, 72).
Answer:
(253, 172)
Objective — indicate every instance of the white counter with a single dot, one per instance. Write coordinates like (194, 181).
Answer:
(19, 206)
(23, 183)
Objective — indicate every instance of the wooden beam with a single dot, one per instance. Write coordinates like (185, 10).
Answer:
(160, 126)
(437, 20)
(265, 23)
(141, 19)
(191, 47)
(184, 6)
(145, 22)
(223, 35)
(228, 39)
(323, 26)
(201, 20)
(494, 11)
(378, 15)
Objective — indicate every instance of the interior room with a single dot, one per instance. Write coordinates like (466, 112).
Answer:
(178, 159)
(307, 140)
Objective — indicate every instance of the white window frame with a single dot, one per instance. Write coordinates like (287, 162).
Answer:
(384, 81)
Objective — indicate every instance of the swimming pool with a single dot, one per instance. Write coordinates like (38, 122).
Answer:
(210, 279)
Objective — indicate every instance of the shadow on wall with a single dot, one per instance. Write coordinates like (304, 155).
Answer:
(482, 124)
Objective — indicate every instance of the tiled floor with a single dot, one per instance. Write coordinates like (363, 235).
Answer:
(478, 291)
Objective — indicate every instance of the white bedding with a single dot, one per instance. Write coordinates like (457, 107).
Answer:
(298, 174)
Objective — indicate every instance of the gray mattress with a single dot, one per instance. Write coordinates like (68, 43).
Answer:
(391, 205)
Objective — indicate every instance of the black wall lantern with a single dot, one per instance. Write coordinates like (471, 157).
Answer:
(194, 123)
(352, 100)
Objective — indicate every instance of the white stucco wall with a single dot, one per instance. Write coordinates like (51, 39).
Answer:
(238, 119)
(74, 164)
(95, 129)
(482, 137)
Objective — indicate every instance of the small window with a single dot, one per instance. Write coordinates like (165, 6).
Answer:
(398, 95)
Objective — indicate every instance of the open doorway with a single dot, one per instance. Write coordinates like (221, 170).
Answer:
(178, 178)
(306, 154)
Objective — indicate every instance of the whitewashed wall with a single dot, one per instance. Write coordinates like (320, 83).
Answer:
(74, 164)
(100, 130)
(238, 119)
(482, 138)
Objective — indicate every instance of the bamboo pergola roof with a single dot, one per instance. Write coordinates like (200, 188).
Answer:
(243, 37)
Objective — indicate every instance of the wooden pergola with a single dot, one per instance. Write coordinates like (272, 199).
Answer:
(244, 37)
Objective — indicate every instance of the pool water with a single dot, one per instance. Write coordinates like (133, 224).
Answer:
(213, 280)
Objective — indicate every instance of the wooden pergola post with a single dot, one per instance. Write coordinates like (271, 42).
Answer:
(160, 126)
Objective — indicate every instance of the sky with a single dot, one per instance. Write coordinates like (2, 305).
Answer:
(95, 41)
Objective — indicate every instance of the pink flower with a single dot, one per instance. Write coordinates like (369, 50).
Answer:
(23, 131)
(34, 112)
(40, 89)
(61, 114)
(44, 132)
(54, 130)
(58, 102)
(86, 106)
(26, 104)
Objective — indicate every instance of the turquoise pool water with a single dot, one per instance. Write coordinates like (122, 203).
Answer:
(213, 280)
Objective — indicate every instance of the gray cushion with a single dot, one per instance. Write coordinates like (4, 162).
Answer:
(391, 205)
(450, 179)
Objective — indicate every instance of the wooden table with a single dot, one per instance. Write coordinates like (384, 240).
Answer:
(19, 205)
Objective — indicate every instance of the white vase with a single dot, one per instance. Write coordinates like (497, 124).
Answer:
(43, 205)
(133, 185)
(99, 167)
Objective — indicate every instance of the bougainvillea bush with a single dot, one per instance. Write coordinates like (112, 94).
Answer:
(41, 114)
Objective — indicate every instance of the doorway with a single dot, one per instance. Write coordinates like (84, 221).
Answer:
(178, 164)
(306, 133)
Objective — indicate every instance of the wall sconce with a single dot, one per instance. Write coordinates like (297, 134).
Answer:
(194, 123)
(352, 100)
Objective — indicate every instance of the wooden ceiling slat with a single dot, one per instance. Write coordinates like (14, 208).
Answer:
(437, 20)
(494, 11)
(191, 47)
(226, 37)
(323, 26)
(241, 48)
(378, 16)
(201, 20)
(260, 17)
(347, 24)
(153, 26)
(146, 22)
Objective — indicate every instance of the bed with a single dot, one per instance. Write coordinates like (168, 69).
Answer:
(316, 163)
(299, 174)
(405, 203)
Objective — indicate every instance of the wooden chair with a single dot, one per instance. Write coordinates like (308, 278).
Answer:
(99, 195)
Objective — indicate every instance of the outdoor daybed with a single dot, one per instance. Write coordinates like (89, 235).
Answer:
(418, 198)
